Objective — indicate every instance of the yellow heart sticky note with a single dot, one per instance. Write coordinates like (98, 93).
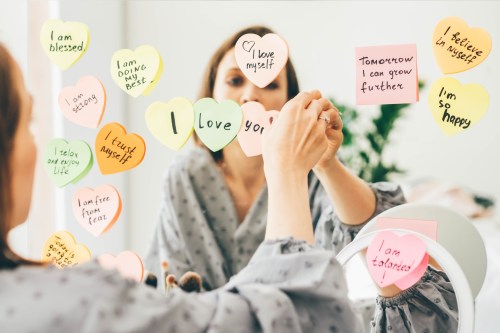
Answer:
(63, 251)
(137, 72)
(457, 47)
(64, 42)
(117, 151)
(456, 107)
(171, 123)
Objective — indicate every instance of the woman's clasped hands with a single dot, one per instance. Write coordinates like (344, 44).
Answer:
(307, 132)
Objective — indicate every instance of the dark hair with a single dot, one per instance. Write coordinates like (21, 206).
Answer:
(208, 81)
(9, 118)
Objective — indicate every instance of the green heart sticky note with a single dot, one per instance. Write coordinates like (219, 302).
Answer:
(64, 42)
(67, 162)
(171, 123)
(137, 72)
(217, 124)
(456, 107)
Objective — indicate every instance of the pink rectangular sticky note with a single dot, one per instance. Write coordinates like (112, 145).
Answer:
(425, 227)
(386, 74)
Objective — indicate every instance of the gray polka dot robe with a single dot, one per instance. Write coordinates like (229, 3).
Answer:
(198, 227)
(288, 286)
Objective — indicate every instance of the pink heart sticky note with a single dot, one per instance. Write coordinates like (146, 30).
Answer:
(84, 103)
(414, 276)
(255, 120)
(261, 59)
(97, 210)
(391, 258)
(127, 263)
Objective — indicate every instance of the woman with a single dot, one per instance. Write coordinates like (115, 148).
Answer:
(215, 204)
(286, 288)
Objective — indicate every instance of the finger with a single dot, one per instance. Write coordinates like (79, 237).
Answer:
(324, 120)
(320, 105)
(304, 98)
(335, 120)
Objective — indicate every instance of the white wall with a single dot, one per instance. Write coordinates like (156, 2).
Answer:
(322, 36)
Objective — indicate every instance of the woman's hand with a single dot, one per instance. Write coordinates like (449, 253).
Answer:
(334, 136)
(296, 140)
(291, 146)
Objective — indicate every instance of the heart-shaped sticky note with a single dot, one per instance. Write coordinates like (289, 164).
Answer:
(127, 263)
(97, 210)
(414, 276)
(456, 107)
(457, 47)
(261, 59)
(171, 123)
(117, 151)
(217, 124)
(64, 42)
(391, 258)
(62, 249)
(67, 162)
(137, 72)
(84, 104)
(255, 120)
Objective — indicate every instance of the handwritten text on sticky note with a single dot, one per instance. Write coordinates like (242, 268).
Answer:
(136, 72)
(171, 123)
(391, 258)
(255, 120)
(62, 250)
(97, 210)
(261, 59)
(386, 74)
(84, 103)
(458, 47)
(67, 162)
(117, 151)
(456, 107)
(64, 42)
(217, 124)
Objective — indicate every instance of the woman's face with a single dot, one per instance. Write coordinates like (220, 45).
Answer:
(22, 163)
(230, 83)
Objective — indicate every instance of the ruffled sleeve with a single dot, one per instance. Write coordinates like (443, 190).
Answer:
(332, 234)
(428, 306)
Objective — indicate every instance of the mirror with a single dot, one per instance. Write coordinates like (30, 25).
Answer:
(465, 272)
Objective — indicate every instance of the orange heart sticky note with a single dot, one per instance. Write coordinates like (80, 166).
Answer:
(84, 104)
(62, 249)
(127, 263)
(97, 210)
(117, 151)
(391, 259)
(456, 107)
(457, 47)
(255, 120)
(261, 59)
